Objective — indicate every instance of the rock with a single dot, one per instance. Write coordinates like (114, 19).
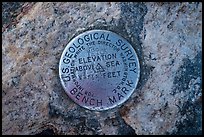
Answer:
(12, 12)
(167, 39)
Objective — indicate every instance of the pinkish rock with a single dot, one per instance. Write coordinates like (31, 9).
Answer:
(167, 39)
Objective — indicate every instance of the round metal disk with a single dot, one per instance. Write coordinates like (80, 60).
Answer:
(99, 70)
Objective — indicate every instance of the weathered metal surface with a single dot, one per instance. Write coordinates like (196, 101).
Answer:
(99, 69)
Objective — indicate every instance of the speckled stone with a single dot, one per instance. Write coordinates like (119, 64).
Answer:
(167, 39)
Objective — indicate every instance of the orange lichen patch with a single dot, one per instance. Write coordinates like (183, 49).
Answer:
(124, 111)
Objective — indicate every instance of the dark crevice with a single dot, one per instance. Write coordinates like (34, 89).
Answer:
(47, 131)
(189, 70)
(191, 111)
(192, 124)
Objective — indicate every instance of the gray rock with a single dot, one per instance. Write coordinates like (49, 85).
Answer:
(167, 39)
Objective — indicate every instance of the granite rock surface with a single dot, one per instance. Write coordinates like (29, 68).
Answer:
(166, 37)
